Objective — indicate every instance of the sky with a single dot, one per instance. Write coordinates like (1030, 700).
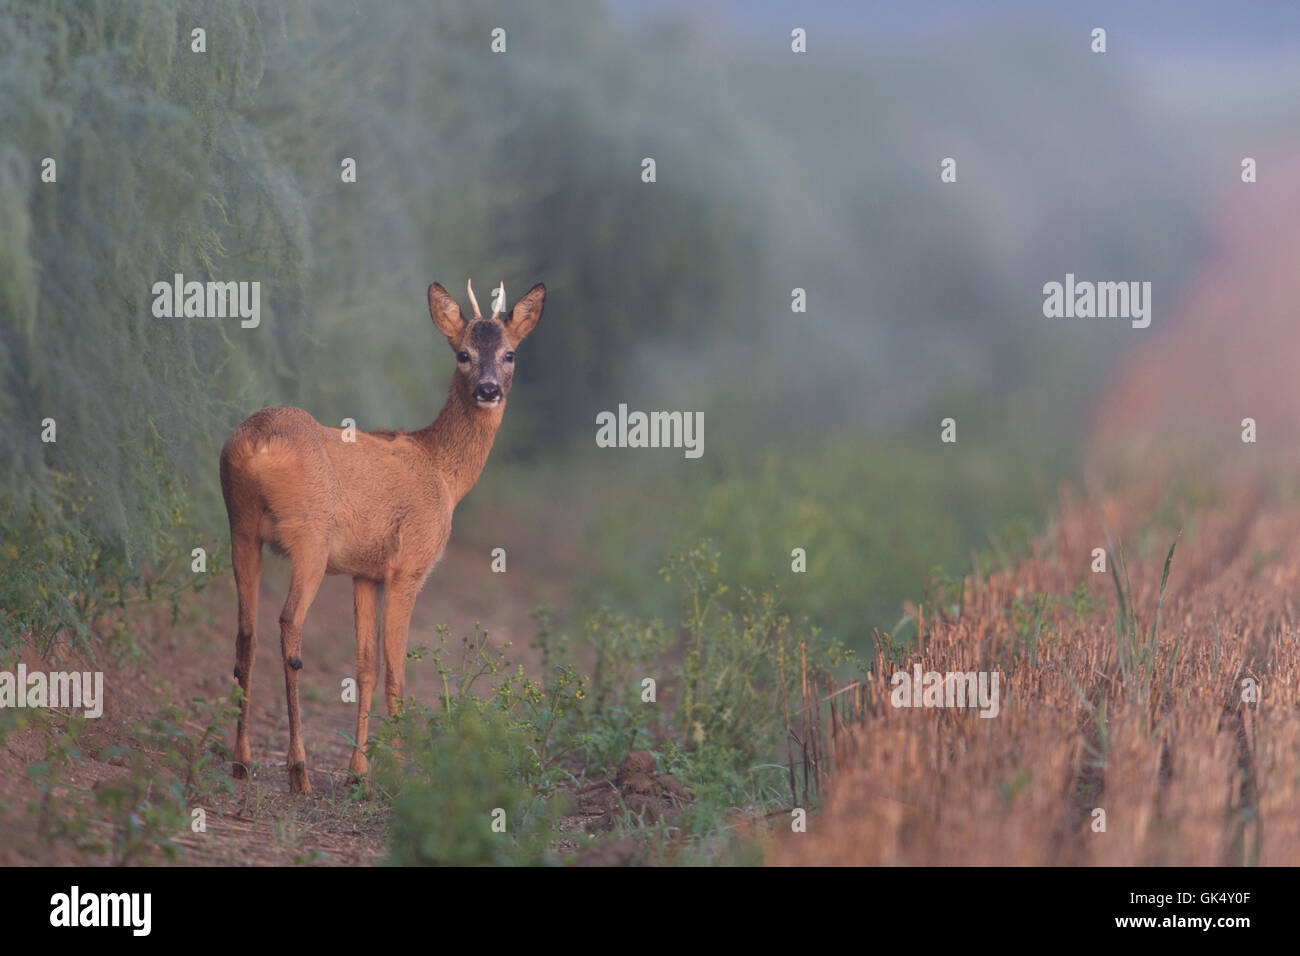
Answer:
(1211, 28)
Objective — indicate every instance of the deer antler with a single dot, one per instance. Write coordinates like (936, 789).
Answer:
(502, 301)
(473, 301)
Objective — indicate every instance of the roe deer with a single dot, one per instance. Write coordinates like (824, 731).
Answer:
(378, 508)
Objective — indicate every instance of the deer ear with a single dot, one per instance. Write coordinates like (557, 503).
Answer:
(526, 313)
(446, 313)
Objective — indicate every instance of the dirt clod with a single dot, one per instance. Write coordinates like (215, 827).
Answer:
(636, 787)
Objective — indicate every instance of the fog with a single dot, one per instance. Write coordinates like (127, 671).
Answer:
(774, 171)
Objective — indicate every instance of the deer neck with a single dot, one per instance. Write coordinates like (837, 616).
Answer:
(459, 440)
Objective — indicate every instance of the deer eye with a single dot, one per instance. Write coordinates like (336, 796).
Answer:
(462, 357)
(510, 356)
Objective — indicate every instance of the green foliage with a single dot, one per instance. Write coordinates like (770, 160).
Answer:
(500, 740)
(144, 815)
(1008, 545)
(536, 708)
(1082, 603)
(158, 172)
(48, 568)
(458, 776)
(624, 652)
(226, 166)
(494, 744)
(946, 590)
(61, 581)
(875, 519)
(1028, 617)
(728, 680)
(718, 722)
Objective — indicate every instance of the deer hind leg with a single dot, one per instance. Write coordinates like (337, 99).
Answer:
(246, 556)
(366, 602)
(307, 573)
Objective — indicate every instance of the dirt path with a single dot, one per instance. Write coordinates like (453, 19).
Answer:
(261, 822)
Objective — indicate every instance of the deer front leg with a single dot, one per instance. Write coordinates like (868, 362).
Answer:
(398, 604)
(366, 603)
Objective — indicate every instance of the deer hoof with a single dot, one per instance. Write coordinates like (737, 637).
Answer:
(298, 782)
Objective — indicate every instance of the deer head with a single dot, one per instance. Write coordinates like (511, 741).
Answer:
(485, 348)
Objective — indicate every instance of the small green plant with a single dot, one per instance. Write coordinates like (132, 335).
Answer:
(1136, 652)
(483, 678)
(457, 798)
(56, 816)
(945, 591)
(197, 762)
(145, 813)
(499, 735)
(1008, 545)
(728, 677)
(1028, 618)
(1081, 602)
(613, 718)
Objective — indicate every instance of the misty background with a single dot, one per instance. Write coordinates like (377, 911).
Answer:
(775, 171)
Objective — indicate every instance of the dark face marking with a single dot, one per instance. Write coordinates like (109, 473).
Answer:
(485, 336)
(486, 346)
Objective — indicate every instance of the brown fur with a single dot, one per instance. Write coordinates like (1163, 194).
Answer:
(378, 509)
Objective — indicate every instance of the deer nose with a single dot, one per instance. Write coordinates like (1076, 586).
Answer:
(487, 392)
